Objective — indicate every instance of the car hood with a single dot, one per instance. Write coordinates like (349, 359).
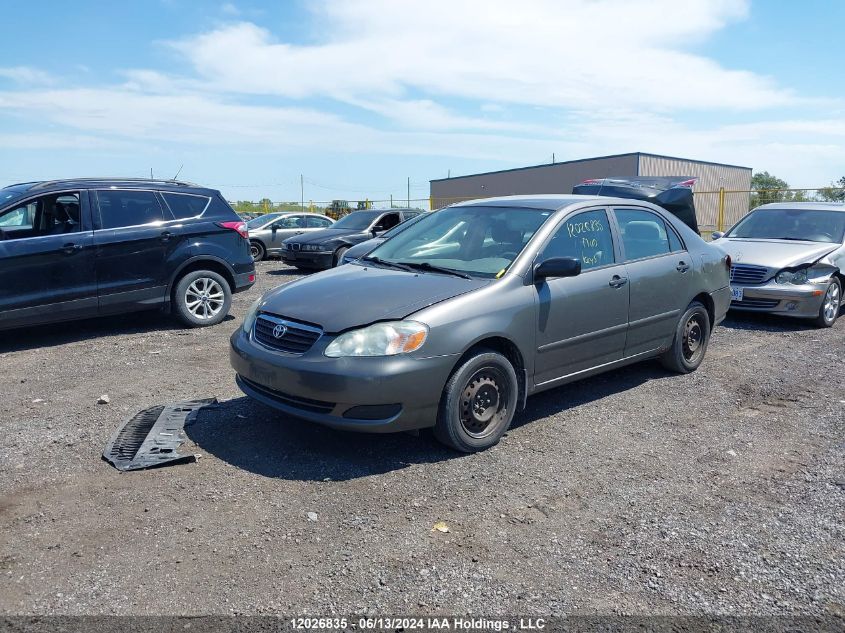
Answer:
(353, 296)
(774, 253)
(327, 235)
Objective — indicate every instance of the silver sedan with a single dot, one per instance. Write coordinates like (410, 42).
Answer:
(267, 232)
(789, 259)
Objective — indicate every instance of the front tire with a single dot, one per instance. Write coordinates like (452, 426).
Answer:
(202, 298)
(478, 403)
(338, 256)
(692, 336)
(257, 250)
(831, 303)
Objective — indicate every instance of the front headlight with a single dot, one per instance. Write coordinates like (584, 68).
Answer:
(251, 313)
(797, 277)
(380, 339)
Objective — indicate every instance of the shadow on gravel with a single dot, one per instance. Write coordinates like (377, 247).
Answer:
(248, 435)
(765, 322)
(589, 390)
(49, 335)
(288, 272)
(253, 437)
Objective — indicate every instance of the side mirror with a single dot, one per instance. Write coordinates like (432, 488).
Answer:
(557, 267)
(715, 235)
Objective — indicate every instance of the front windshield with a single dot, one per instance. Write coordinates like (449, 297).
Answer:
(355, 221)
(261, 220)
(480, 241)
(812, 225)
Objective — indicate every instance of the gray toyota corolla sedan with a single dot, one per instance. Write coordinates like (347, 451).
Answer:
(455, 321)
(789, 259)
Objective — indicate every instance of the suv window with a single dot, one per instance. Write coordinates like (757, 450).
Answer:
(128, 207)
(585, 236)
(185, 205)
(318, 223)
(54, 214)
(643, 233)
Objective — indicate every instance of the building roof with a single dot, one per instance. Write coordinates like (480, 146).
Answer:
(586, 160)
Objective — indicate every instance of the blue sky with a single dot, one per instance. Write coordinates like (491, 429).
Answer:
(360, 95)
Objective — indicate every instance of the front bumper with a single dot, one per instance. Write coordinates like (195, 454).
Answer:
(312, 259)
(803, 301)
(382, 395)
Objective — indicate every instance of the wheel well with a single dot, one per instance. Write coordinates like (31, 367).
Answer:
(205, 264)
(707, 301)
(510, 351)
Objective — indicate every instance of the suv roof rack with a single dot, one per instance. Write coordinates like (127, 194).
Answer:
(159, 181)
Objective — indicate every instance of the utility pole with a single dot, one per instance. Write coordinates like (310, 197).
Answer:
(409, 192)
(302, 191)
(553, 158)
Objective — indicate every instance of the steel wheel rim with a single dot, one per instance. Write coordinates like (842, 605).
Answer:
(254, 251)
(204, 298)
(484, 402)
(831, 302)
(693, 344)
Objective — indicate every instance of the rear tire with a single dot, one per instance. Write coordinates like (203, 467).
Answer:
(338, 256)
(202, 298)
(689, 346)
(831, 304)
(257, 250)
(478, 403)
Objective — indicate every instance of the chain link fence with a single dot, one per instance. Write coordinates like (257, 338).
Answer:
(715, 210)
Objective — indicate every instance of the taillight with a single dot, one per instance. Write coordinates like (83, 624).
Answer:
(239, 227)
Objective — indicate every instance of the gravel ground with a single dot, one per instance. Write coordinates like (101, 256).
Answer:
(638, 491)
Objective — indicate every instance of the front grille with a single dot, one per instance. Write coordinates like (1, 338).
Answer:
(315, 406)
(293, 247)
(284, 336)
(755, 303)
(747, 274)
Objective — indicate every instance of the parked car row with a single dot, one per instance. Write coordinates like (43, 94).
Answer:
(448, 319)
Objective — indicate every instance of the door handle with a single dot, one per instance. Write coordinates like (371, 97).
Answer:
(617, 282)
(70, 248)
(682, 267)
(166, 235)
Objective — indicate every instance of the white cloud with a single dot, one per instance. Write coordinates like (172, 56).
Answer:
(579, 54)
(26, 75)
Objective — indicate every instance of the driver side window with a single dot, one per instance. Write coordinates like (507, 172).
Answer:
(54, 214)
(585, 236)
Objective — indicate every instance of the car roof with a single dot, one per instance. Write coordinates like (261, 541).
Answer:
(131, 183)
(808, 206)
(551, 202)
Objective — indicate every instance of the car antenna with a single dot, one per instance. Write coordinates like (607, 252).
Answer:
(178, 172)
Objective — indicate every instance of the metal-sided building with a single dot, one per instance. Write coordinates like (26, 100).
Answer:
(561, 177)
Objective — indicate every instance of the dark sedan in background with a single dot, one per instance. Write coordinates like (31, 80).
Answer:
(325, 248)
(788, 259)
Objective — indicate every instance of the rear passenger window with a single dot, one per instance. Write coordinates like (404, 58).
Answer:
(184, 205)
(128, 208)
(674, 241)
(318, 223)
(643, 233)
(584, 236)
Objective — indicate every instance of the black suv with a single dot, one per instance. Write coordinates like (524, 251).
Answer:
(325, 248)
(72, 249)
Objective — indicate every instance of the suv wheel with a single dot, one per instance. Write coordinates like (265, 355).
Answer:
(257, 250)
(691, 338)
(478, 403)
(201, 298)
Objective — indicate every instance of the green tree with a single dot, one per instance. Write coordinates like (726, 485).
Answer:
(767, 188)
(834, 193)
